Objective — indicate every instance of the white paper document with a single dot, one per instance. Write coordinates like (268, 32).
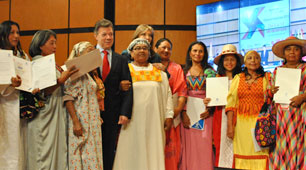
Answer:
(195, 106)
(85, 63)
(7, 69)
(288, 80)
(217, 90)
(40, 73)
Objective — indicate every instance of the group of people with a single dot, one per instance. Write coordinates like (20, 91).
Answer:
(120, 115)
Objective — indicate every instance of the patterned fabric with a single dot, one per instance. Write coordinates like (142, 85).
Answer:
(245, 100)
(265, 126)
(85, 152)
(290, 149)
(251, 97)
(198, 83)
(29, 105)
(145, 75)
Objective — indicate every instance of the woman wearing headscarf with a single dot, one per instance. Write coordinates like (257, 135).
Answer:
(229, 64)
(47, 138)
(12, 128)
(290, 147)
(84, 124)
(245, 99)
(141, 143)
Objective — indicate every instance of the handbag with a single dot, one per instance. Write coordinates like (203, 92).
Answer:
(265, 129)
(29, 105)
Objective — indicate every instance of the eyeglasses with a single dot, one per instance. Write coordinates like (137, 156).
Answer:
(145, 48)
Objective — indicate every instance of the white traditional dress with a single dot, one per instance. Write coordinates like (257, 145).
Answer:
(12, 129)
(85, 153)
(141, 143)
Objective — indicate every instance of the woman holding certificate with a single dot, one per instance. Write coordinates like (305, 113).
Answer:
(178, 86)
(197, 144)
(11, 126)
(84, 124)
(141, 142)
(289, 152)
(244, 101)
(229, 64)
(47, 138)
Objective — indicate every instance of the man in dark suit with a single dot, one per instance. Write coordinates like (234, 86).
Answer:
(118, 103)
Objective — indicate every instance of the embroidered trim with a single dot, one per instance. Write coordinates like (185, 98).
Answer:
(145, 75)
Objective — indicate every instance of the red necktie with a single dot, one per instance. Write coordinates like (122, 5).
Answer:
(106, 68)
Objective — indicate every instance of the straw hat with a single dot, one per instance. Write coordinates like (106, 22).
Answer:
(228, 49)
(278, 48)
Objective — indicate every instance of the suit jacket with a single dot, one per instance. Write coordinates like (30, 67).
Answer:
(117, 102)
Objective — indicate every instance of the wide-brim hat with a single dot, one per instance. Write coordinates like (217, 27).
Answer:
(278, 48)
(228, 49)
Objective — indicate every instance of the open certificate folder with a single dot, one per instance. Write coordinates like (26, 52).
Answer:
(85, 63)
(288, 80)
(40, 73)
(7, 69)
(217, 90)
(194, 107)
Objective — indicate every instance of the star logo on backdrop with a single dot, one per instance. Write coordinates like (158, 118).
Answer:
(253, 23)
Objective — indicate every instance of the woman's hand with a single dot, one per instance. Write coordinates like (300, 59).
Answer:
(230, 126)
(66, 74)
(159, 66)
(297, 100)
(185, 120)
(168, 124)
(230, 130)
(35, 91)
(206, 101)
(274, 89)
(77, 128)
(125, 85)
(16, 81)
(205, 114)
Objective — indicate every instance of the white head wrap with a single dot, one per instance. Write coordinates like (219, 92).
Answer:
(136, 42)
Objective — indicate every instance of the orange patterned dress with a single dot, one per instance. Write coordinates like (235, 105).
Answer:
(245, 100)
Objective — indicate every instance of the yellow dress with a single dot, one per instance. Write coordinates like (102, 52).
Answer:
(245, 100)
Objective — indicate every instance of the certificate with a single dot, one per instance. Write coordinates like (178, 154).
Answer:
(85, 63)
(217, 90)
(7, 69)
(40, 73)
(288, 80)
(44, 72)
(195, 106)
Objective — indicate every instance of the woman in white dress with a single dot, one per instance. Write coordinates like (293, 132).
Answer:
(11, 127)
(141, 143)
